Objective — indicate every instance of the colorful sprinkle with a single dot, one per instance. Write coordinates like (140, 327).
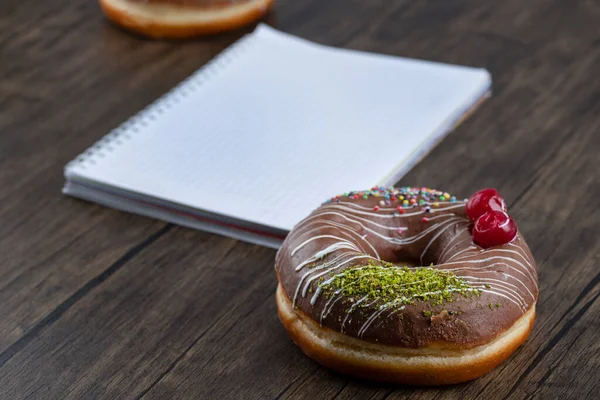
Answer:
(424, 219)
(407, 195)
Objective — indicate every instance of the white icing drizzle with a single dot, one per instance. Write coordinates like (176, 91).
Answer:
(485, 267)
(469, 250)
(391, 304)
(351, 310)
(329, 305)
(449, 244)
(312, 278)
(352, 231)
(437, 235)
(498, 293)
(315, 238)
(327, 270)
(357, 222)
(525, 271)
(425, 232)
(525, 260)
(322, 253)
(429, 219)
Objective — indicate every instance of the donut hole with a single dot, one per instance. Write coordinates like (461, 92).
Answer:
(409, 257)
(402, 262)
(431, 249)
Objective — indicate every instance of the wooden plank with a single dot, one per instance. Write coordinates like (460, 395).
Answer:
(128, 331)
(109, 305)
(66, 79)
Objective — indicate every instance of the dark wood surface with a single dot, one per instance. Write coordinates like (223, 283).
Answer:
(95, 303)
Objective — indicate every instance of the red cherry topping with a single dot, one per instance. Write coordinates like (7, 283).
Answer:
(493, 229)
(483, 201)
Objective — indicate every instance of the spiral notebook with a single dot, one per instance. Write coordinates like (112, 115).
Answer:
(264, 133)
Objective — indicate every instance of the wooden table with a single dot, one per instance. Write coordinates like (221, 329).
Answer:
(96, 303)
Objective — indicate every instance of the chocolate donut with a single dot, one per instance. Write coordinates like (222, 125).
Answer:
(402, 285)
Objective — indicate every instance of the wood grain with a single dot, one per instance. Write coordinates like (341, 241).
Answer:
(52, 110)
(100, 304)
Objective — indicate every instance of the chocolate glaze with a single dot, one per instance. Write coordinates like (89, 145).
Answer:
(193, 3)
(506, 274)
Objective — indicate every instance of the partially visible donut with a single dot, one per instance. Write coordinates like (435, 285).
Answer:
(401, 285)
(178, 19)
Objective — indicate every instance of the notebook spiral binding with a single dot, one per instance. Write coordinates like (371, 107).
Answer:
(159, 107)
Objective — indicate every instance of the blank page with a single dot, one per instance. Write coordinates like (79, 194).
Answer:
(275, 125)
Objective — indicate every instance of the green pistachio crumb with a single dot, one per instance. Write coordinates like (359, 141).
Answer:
(487, 286)
(491, 306)
(427, 314)
(497, 305)
(399, 285)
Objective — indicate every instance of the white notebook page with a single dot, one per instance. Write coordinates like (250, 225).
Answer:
(276, 125)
